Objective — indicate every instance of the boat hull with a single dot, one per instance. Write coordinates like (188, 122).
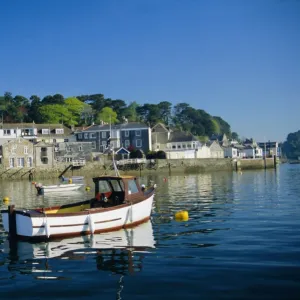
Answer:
(37, 225)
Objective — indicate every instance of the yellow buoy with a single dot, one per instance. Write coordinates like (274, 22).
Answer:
(70, 180)
(182, 215)
(87, 188)
(6, 199)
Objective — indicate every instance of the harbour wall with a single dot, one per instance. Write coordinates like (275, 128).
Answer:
(168, 166)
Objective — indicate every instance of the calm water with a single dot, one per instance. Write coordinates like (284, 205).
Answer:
(242, 241)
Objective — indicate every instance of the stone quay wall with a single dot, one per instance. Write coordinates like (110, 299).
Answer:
(168, 166)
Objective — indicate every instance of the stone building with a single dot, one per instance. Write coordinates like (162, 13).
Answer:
(17, 153)
(44, 154)
(73, 151)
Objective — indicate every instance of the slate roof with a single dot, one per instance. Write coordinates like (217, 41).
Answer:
(106, 127)
(180, 136)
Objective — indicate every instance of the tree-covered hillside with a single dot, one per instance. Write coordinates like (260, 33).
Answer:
(291, 147)
(86, 109)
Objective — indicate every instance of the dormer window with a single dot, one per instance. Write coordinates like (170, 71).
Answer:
(59, 131)
(46, 131)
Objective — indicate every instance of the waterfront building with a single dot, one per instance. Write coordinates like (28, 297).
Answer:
(132, 135)
(270, 149)
(17, 153)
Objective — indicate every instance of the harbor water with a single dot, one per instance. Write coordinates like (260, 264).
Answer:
(241, 241)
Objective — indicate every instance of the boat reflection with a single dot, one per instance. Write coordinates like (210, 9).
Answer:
(120, 252)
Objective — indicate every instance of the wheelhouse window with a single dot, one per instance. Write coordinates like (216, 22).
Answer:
(118, 185)
(104, 186)
(86, 136)
(132, 187)
(103, 134)
(92, 135)
(80, 136)
(126, 133)
(138, 133)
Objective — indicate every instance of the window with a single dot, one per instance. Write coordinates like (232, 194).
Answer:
(92, 135)
(21, 162)
(11, 162)
(117, 185)
(59, 131)
(54, 140)
(104, 186)
(25, 149)
(103, 134)
(127, 143)
(93, 145)
(13, 149)
(44, 149)
(80, 136)
(173, 146)
(126, 133)
(86, 135)
(44, 160)
(45, 131)
(178, 146)
(183, 146)
(157, 146)
(29, 161)
(132, 187)
(6, 131)
(139, 143)
(65, 140)
(138, 133)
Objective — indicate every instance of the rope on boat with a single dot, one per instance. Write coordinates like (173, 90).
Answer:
(91, 223)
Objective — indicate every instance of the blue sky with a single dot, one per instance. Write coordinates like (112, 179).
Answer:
(237, 59)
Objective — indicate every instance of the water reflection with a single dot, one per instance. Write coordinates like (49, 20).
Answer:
(120, 252)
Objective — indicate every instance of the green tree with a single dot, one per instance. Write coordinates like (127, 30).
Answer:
(55, 113)
(33, 114)
(130, 112)
(291, 147)
(235, 136)
(165, 108)
(75, 106)
(107, 115)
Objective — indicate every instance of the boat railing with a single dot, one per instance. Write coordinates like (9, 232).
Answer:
(131, 161)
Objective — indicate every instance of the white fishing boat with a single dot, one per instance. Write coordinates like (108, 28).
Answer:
(119, 202)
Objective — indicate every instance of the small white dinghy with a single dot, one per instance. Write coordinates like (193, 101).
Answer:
(41, 189)
(72, 178)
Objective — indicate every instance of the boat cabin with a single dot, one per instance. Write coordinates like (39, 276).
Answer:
(113, 190)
